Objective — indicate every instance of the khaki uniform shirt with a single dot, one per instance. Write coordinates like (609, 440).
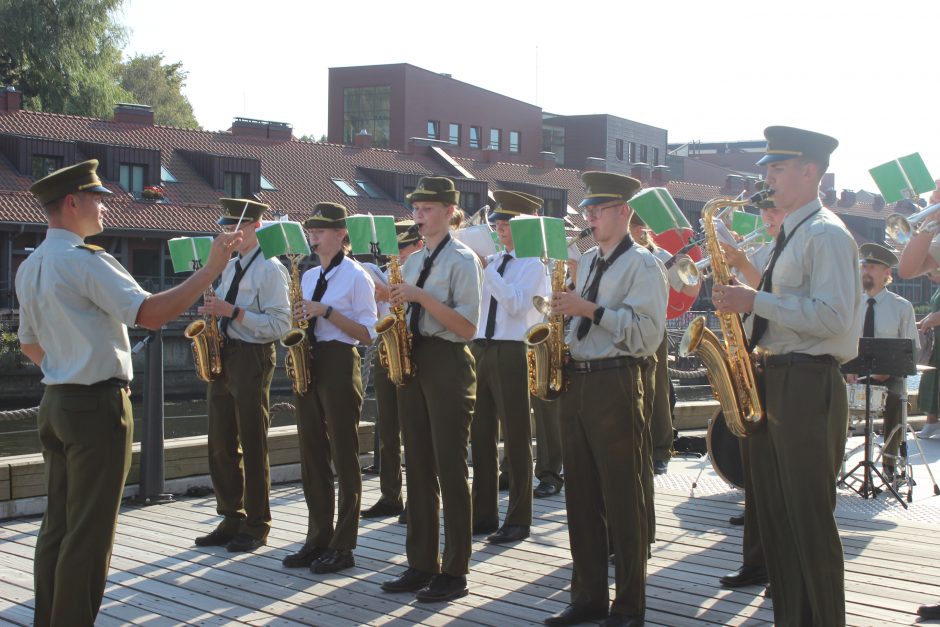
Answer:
(263, 295)
(894, 317)
(77, 304)
(634, 295)
(813, 308)
(456, 280)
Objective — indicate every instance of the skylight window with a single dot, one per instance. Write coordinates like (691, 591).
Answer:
(348, 189)
(266, 184)
(166, 176)
(368, 188)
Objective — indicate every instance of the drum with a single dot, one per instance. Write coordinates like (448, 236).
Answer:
(856, 394)
(724, 449)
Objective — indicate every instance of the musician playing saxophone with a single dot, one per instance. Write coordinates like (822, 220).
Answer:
(339, 307)
(253, 308)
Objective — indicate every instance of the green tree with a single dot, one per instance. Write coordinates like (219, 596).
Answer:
(151, 82)
(62, 55)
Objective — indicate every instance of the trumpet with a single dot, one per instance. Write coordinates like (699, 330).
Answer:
(690, 272)
(901, 229)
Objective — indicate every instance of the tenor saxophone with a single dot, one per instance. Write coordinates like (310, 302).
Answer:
(207, 344)
(546, 348)
(297, 362)
(395, 349)
(727, 363)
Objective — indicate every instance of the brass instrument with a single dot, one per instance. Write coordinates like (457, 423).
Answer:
(297, 362)
(901, 229)
(207, 343)
(395, 349)
(690, 272)
(546, 348)
(727, 363)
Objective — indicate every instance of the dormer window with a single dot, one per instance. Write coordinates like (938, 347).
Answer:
(132, 178)
(236, 185)
(43, 165)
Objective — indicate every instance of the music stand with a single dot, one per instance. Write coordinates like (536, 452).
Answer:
(891, 356)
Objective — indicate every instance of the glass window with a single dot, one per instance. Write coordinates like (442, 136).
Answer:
(469, 202)
(620, 149)
(475, 133)
(514, 141)
(454, 134)
(643, 153)
(132, 178)
(631, 154)
(166, 176)
(368, 188)
(553, 140)
(348, 189)
(367, 108)
(235, 184)
(434, 129)
(655, 156)
(266, 184)
(496, 139)
(44, 165)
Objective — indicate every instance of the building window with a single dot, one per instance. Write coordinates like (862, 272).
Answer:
(268, 185)
(434, 129)
(454, 134)
(367, 108)
(496, 139)
(132, 178)
(620, 149)
(348, 189)
(235, 184)
(643, 153)
(368, 188)
(513, 141)
(631, 152)
(166, 176)
(44, 165)
(655, 156)
(553, 140)
(475, 133)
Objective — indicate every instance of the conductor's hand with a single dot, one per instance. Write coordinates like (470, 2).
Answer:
(223, 246)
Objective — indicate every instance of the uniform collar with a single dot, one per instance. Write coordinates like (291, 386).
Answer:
(249, 254)
(879, 297)
(797, 216)
(64, 235)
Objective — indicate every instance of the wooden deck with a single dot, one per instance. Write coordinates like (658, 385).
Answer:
(158, 577)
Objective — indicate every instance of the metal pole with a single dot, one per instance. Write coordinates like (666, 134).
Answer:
(151, 439)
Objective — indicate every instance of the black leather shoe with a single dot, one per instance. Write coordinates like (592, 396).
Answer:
(744, 576)
(659, 468)
(443, 587)
(216, 538)
(929, 612)
(243, 543)
(333, 561)
(622, 620)
(480, 529)
(304, 557)
(546, 489)
(382, 509)
(509, 533)
(737, 521)
(574, 614)
(410, 581)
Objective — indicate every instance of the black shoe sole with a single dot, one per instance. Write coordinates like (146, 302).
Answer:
(318, 569)
(411, 588)
(449, 597)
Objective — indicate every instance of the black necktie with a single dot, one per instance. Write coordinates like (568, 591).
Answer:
(320, 290)
(869, 329)
(232, 293)
(599, 267)
(491, 316)
(415, 308)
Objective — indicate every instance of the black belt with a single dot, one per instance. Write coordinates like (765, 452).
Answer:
(481, 341)
(610, 363)
(798, 359)
(229, 341)
(113, 382)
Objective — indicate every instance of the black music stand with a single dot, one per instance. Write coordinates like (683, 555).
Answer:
(891, 356)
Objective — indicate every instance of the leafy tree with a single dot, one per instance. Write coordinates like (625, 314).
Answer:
(62, 55)
(151, 82)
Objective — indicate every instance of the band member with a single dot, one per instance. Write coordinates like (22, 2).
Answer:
(442, 285)
(386, 399)
(339, 305)
(254, 313)
(548, 462)
(509, 284)
(618, 314)
(885, 314)
(76, 302)
(805, 326)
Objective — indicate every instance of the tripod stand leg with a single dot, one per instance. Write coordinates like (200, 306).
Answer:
(923, 460)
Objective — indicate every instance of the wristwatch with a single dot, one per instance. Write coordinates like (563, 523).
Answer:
(598, 314)
(328, 312)
(237, 310)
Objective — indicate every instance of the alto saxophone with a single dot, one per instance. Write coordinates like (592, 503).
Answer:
(207, 343)
(727, 364)
(395, 349)
(297, 362)
(546, 348)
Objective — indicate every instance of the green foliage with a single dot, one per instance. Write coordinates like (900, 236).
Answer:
(159, 85)
(10, 345)
(63, 55)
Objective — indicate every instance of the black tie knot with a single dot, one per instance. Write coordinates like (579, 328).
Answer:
(871, 302)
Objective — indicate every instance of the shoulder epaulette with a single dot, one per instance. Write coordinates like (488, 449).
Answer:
(91, 248)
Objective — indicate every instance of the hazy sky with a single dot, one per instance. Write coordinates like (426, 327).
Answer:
(719, 70)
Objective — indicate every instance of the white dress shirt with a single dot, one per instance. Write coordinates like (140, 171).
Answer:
(350, 291)
(522, 279)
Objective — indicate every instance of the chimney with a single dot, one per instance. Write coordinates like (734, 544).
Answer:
(363, 139)
(10, 99)
(595, 164)
(262, 129)
(136, 114)
(660, 175)
(640, 171)
(548, 160)
(490, 155)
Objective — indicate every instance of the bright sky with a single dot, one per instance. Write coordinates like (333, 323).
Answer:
(709, 71)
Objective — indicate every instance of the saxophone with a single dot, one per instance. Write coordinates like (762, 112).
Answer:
(727, 363)
(395, 349)
(297, 362)
(207, 344)
(546, 348)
